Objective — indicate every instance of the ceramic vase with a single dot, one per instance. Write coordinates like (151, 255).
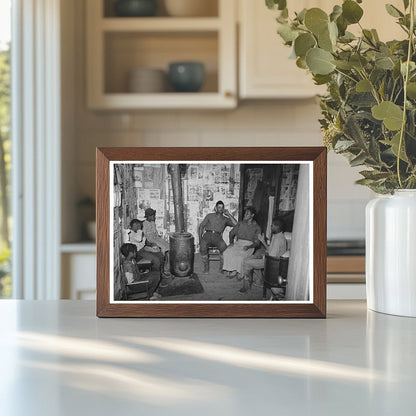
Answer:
(391, 253)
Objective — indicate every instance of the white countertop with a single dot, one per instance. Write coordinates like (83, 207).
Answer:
(57, 358)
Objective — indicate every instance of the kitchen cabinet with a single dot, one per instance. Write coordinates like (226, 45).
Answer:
(265, 70)
(78, 263)
(265, 67)
(118, 45)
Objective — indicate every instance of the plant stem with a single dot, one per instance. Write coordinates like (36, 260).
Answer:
(346, 75)
(373, 88)
(405, 81)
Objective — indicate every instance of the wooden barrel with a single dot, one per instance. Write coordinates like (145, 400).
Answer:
(181, 254)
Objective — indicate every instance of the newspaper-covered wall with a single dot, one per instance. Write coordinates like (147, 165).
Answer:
(202, 185)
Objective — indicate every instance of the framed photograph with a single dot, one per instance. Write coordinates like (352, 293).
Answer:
(211, 232)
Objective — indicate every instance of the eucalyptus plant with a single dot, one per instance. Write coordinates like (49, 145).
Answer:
(369, 111)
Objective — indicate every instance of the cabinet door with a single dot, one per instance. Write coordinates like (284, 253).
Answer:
(78, 276)
(266, 71)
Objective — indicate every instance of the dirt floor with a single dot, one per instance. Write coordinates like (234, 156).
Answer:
(218, 286)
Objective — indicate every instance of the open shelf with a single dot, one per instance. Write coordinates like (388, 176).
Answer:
(118, 45)
(209, 9)
(127, 51)
(160, 24)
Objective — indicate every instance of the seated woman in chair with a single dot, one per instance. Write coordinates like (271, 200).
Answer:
(246, 232)
(131, 270)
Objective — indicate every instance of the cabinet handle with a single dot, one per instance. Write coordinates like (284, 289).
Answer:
(229, 94)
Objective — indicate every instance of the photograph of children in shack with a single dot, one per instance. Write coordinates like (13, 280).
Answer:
(198, 232)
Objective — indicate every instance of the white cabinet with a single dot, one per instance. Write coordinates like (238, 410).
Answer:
(265, 69)
(78, 271)
(264, 66)
(118, 45)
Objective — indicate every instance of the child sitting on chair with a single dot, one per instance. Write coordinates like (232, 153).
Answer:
(135, 234)
(131, 270)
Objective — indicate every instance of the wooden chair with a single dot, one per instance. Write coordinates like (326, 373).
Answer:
(214, 254)
(136, 290)
(273, 279)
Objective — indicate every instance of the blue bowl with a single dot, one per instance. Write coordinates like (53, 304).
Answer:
(186, 76)
(135, 8)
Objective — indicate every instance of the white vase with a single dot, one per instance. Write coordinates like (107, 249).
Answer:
(391, 253)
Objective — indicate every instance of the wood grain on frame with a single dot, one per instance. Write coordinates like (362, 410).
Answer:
(317, 309)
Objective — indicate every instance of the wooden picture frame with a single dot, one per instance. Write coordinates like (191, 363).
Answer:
(312, 177)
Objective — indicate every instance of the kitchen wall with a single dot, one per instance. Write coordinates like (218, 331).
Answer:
(253, 123)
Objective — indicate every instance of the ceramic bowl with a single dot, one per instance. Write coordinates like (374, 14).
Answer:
(135, 8)
(186, 76)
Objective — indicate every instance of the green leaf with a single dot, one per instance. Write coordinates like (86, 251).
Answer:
(375, 35)
(343, 145)
(363, 86)
(365, 182)
(384, 62)
(374, 150)
(391, 114)
(301, 15)
(393, 11)
(316, 20)
(406, 4)
(354, 132)
(342, 25)
(368, 36)
(382, 89)
(336, 12)
(319, 61)
(411, 90)
(281, 19)
(358, 61)
(287, 33)
(344, 65)
(333, 32)
(394, 145)
(351, 11)
(325, 42)
(321, 79)
(359, 160)
(347, 37)
(301, 63)
(412, 67)
(374, 174)
(276, 4)
(303, 43)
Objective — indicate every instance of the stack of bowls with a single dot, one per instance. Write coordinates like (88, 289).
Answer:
(147, 80)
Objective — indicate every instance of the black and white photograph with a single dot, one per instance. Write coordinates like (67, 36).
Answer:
(211, 232)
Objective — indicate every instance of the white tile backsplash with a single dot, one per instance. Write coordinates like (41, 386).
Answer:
(257, 123)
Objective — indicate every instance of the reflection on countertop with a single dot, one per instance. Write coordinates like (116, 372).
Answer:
(346, 247)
